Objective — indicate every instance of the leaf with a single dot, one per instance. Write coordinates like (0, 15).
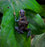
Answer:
(43, 12)
(39, 41)
(29, 4)
(7, 29)
(36, 23)
(8, 37)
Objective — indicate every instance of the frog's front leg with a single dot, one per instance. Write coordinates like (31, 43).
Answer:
(18, 30)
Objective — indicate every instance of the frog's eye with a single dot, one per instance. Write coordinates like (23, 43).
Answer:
(23, 12)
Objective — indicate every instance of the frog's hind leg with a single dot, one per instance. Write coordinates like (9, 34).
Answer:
(18, 30)
(29, 32)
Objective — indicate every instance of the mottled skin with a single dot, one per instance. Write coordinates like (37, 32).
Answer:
(23, 23)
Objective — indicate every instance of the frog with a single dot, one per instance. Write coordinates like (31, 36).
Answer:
(22, 24)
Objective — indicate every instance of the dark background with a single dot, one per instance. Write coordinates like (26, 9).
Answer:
(41, 1)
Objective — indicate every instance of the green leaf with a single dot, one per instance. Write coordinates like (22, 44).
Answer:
(7, 29)
(43, 12)
(8, 37)
(39, 41)
(21, 4)
(36, 23)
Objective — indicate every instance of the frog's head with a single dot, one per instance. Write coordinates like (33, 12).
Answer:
(22, 13)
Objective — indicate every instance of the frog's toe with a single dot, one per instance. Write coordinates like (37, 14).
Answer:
(21, 32)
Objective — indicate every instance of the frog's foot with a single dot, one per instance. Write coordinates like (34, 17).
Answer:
(29, 34)
(21, 32)
(18, 30)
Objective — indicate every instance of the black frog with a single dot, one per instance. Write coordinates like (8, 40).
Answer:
(22, 24)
